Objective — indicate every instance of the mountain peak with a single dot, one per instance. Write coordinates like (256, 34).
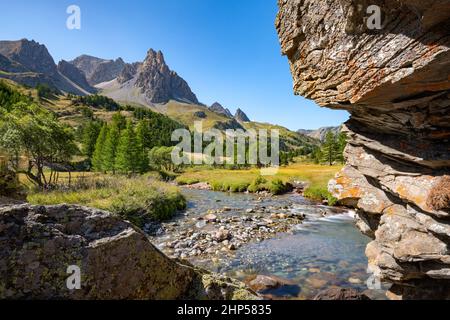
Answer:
(30, 54)
(218, 108)
(159, 84)
(98, 70)
(241, 116)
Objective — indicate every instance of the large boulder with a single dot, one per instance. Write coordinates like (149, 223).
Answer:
(394, 81)
(39, 245)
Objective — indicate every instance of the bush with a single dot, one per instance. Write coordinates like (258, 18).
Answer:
(320, 194)
(183, 181)
(259, 184)
(279, 187)
(44, 91)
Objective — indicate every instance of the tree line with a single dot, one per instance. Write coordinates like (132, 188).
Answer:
(331, 150)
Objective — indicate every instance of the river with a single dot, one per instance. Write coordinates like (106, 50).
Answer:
(323, 250)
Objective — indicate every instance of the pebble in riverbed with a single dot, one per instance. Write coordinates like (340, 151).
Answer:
(222, 232)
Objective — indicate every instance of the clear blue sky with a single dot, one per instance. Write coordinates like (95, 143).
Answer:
(227, 50)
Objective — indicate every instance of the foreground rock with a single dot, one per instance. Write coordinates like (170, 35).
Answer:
(394, 81)
(341, 294)
(116, 260)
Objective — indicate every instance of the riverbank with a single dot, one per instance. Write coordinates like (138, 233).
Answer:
(141, 199)
(312, 180)
(305, 246)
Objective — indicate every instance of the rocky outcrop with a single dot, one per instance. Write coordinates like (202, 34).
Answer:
(28, 62)
(241, 116)
(395, 83)
(148, 83)
(75, 75)
(159, 83)
(320, 133)
(115, 259)
(219, 109)
(98, 70)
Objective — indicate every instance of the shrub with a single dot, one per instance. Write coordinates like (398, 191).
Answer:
(439, 197)
(320, 194)
(279, 187)
(184, 181)
(257, 185)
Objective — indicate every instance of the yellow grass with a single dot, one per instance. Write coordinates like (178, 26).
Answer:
(317, 176)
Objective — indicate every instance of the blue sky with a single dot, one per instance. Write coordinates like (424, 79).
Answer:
(227, 50)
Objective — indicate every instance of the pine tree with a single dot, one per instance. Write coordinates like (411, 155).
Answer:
(141, 134)
(110, 150)
(90, 133)
(119, 120)
(341, 144)
(97, 157)
(329, 148)
(127, 151)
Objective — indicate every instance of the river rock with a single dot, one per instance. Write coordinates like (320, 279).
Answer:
(394, 82)
(115, 258)
(262, 283)
(222, 235)
(340, 294)
(210, 218)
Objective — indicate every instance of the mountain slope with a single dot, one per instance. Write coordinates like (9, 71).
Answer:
(149, 83)
(219, 109)
(241, 116)
(30, 63)
(98, 70)
(320, 133)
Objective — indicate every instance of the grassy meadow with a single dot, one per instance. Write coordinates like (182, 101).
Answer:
(316, 176)
(137, 199)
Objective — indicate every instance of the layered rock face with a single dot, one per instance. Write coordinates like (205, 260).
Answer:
(115, 259)
(30, 63)
(98, 70)
(159, 83)
(75, 75)
(395, 83)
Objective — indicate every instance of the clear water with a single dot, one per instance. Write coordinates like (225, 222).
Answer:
(320, 253)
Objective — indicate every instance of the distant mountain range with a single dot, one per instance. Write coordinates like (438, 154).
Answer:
(28, 62)
(320, 133)
(149, 83)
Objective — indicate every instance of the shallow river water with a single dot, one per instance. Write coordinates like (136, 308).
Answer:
(323, 251)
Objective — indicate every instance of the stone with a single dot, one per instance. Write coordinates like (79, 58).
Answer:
(262, 283)
(222, 235)
(394, 83)
(116, 259)
(210, 217)
(340, 294)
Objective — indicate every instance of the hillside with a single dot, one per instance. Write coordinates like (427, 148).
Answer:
(30, 63)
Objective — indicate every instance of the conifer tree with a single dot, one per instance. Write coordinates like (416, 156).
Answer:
(141, 134)
(127, 151)
(110, 150)
(329, 148)
(90, 133)
(98, 155)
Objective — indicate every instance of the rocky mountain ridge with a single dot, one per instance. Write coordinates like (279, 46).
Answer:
(320, 133)
(97, 70)
(30, 63)
(395, 84)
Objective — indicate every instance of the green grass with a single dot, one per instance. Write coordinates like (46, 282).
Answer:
(135, 199)
(316, 176)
